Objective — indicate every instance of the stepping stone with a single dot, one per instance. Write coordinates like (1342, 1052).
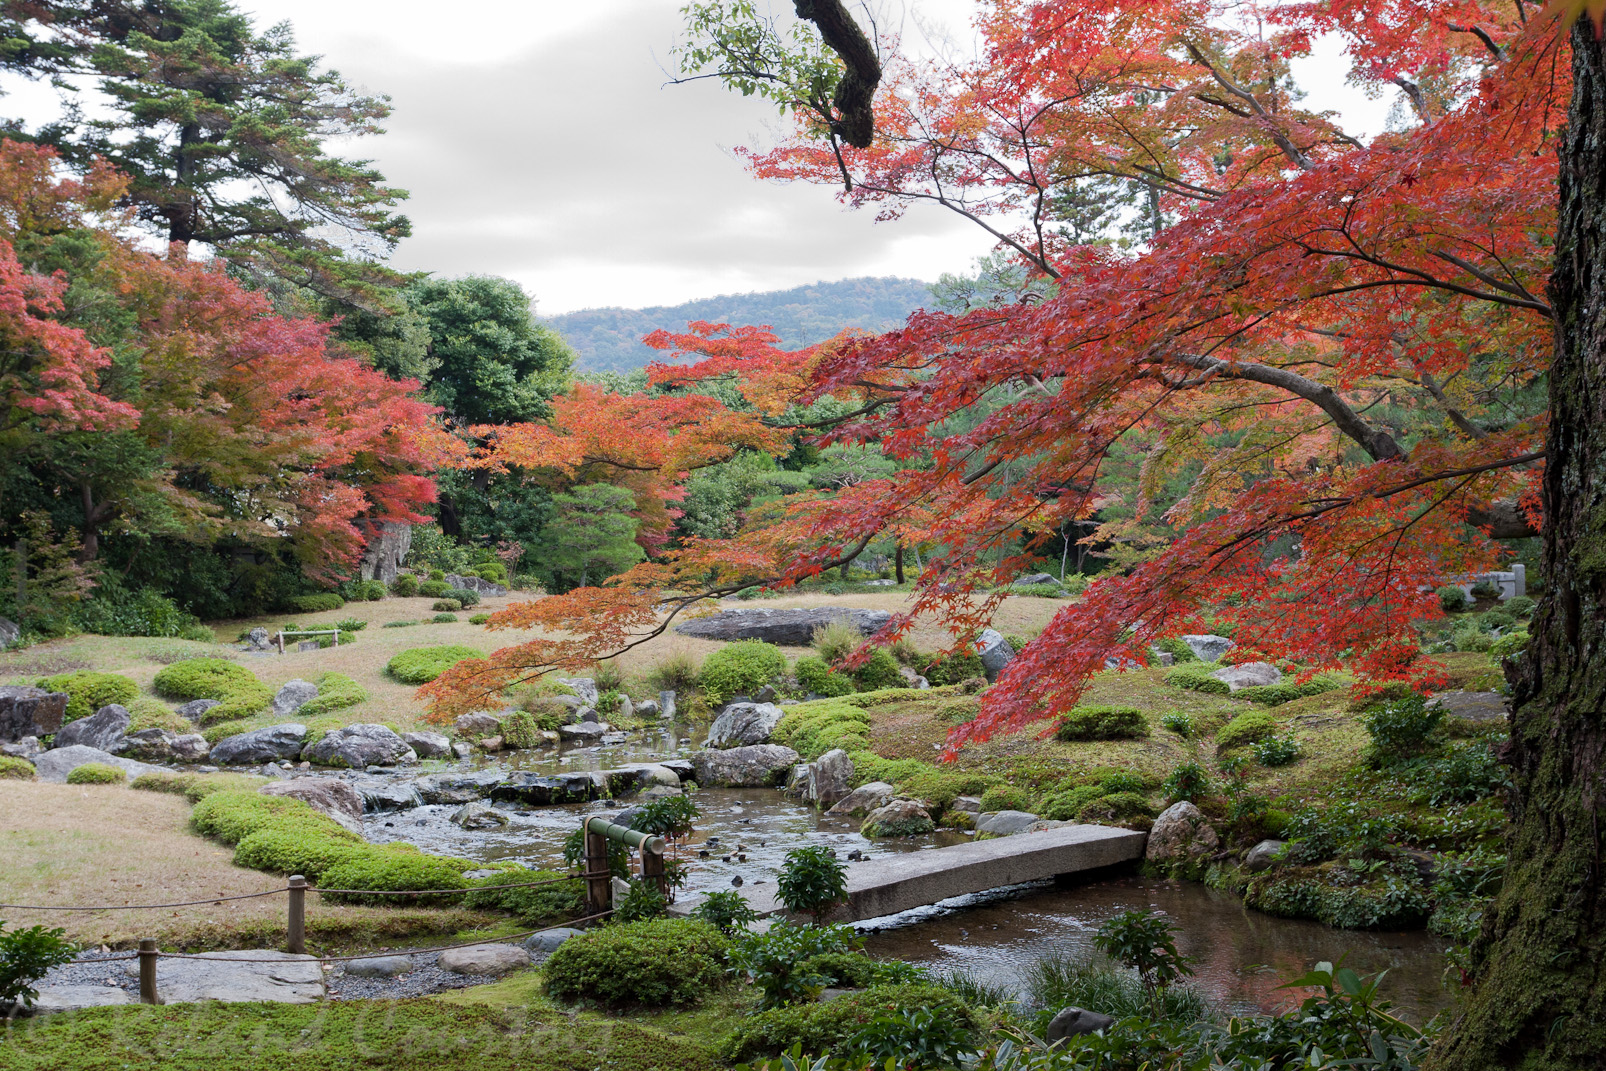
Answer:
(1473, 706)
(379, 966)
(60, 998)
(484, 959)
(225, 976)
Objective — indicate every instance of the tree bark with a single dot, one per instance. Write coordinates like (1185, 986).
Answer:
(1539, 965)
(897, 563)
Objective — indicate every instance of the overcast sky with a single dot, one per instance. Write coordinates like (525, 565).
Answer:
(539, 142)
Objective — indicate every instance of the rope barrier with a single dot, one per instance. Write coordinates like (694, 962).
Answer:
(145, 907)
(309, 888)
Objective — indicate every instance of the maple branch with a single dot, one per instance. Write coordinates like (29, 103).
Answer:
(1457, 418)
(1515, 288)
(1413, 93)
(1481, 34)
(855, 93)
(1289, 149)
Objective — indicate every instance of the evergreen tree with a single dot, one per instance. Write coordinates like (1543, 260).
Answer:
(595, 534)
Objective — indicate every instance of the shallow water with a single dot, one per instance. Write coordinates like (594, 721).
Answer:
(1242, 956)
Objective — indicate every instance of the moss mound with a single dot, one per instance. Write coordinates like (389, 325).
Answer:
(420, 665)
(88, 691)
(97, 773)
(828, 1027)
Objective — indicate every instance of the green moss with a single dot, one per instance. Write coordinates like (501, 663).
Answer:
(1196, 678)
(1274, 695)
(147, 713)
(811, 729)
(97, 773)
(1181, 653)
(336, 691)
(247, 701)
(15, 769)
(202, 678)
(1103, 723)
(1006, 798)
(1245, 729)
(420, 665)
(88, 691)
(821, 1028)
(1116, 807)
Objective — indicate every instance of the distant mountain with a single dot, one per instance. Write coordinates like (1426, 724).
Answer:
(609, 340)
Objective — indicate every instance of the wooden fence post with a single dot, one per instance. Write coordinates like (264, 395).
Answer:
(147, 971)
(599, 889)
(296, 930)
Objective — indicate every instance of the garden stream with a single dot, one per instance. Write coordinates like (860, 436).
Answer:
(1241, 956)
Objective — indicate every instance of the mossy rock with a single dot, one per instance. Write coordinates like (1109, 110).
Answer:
(97, 773)
(15, 769)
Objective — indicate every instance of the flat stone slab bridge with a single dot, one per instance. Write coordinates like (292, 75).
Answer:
(889, 884)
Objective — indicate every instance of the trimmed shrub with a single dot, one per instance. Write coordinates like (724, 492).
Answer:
(298, 845)
(443, 619)
(955, 669)
(447, 605)
(811, 729)
(650, 964)
(88, 691)
(1275, 695)
(192, 786)
(495, 572)
(246, 702)
(1520, 606)
(1103, 723)
(336, 691)
(202, 678)
(1180, 652)
(1400, 728)
(1452, 598)
(1065, 806)
(1196, 678)
(147, 713)
(740, 668)
(371, 590)
(880, 671)
(433, 589)
(438, 574)
(519, 730)
(394, 867)
(420, 665)
(1245, 729)
(1006, 798)
(479, 619)
(97, 773)
(832, 1026)
(313, 604)
(817, 678)
(405, 585)
(1511, 643)
(15, 769)
(465, 596)
(233, 815)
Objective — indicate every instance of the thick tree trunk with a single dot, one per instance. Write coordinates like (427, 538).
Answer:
(1539, 967)
(897, 562)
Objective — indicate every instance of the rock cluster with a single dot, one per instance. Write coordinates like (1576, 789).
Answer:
(787, 628)
(744, 724)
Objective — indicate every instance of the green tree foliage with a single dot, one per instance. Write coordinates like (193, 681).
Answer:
(595, 534)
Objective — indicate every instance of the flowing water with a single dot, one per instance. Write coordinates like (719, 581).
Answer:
(743, 836)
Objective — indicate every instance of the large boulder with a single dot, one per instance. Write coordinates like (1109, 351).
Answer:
(28, 748)
(10, 632)
(995, 652)
(26, 711)
(54, 765)
(788, 628)
(487, 588)
(583, 732)
(544, 790)
(585, 689)
(102, 729)
(359, 746)
(380, 795)
(380, 967)
(1263, 856)
(260, 745)
(898, 818)
(863, 800)
(258, 639)
(1180, 835)
(292, 696)
(478, 723)
(338, 799)
(427, 745)
(458, 787)
(196, 707)
(164, 745)
(756, 766)
(1249, 675)
(741, 724)
(386, 547)
(483, 959)
(1208, 648)
(1004, 823)
(829, 779)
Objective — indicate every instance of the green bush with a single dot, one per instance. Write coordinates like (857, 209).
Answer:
(1512, 643)
(27, 956)
(433, 589)
(832, 1027)
(246, 701)
(880, 671)
(811, 729)
(812, 882)
(1065, 806)
(370, 590)
(446, 605)
(443, 619)
(1520, 606)
(15, 769)
(1189, 782)
(519, 730)
(1452, 598)
(313, 604)
(727, 910)
(1400, 728)
(394, 867)
(955, 669)
(297, 846)
(1196, 678)
(399, 624)
(740, 668)
(495, 572)
(87, 691)
(479, 619)
(420, 665)
(817, 678)
(1103, 723)
(404, 586)
(1276, 750)
(1245, 729)
(465, 596)
(336, 691)
(536, 905)
(1116, 807)
(202, 678)
(1179, 723)
(1180, 652)
(97, 773)
(147, 713)
(437, 574)
(1006, 798)
(350, 624)
(232, 815)
(649, 964)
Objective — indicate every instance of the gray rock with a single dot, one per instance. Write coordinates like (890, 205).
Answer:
(1208, 648)
(666, 703)
(995, 651)
(880, 583)
(1263, 856)
(584, 687)
(102, 729)
(478, 816)
(789, 628)
(647, 708)
(1162, 658)
(1034, 579)
(458, 787)
(898, 818)
(380, 795)
(627, 708)
(359, 746)
(54, 765)
(477, 724)
(1073, 1021)
(60, 998)
(331, 796)
(1180, 834)
(26, 711)
(967, 804)
(1249, 675)
(491, 743)
(588, 732)
(588, 715)
(258, 639)
(766, 694)
(379, 966)
(26, 748)
(386, 547)
(427, 745)
(547, 941)
(743, 724)
(682, 768)
(292, 695)
(483, 959)
(863, 799)
(829, 779)
(1004, 823)
(260, 745)
(164, 745)
(488, 588)
(1473, 706)
(757, 766)
(461, 750)
(10, 632)
(235, 977)
(196, 707)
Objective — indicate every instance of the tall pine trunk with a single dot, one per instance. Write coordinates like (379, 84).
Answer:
(1539, 966)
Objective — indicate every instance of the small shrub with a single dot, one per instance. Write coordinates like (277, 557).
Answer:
(641, 903)
(15, 769)
(1188, 782)
(1452, 599)
(1196, 678)
(1179, 723)
(438, 574)
(740, 668)
(351, 624)
(880, 671)
(815, 677)
(1276, 750)
(447, 605)
(519, 730)
(372, 590)
(246, 701)
(955, 669)
(1520, 606)
(87, 691)
(393, 867)
(533, 905)
(479, 619)
(404, 586)
(336, 691)
(833, 1027)
(97, 773)
(609, 675)
(420, 665)
(1275, 695)
(1180, 652)
(1103, 723)
(1400, 728)
(443, 619)
(1066, 806)
(495, 572)
(464, 596)
(727, 910)
(777, 960)
(202, 678)
(650, 964)
(1509, 645)
(398, 624)
(312, 604)
(27, 956)
(1485, 591)
(812, 882)
(812, 729)
(1245, 729)
(1145, 942)
(433, 589)
(1006, 798)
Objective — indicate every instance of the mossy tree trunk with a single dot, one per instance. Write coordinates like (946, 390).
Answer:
(1539, 966)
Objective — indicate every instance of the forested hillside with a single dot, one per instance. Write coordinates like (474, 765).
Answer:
(609, 340)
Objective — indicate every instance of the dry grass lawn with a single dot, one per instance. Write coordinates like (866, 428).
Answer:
(109, 844)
